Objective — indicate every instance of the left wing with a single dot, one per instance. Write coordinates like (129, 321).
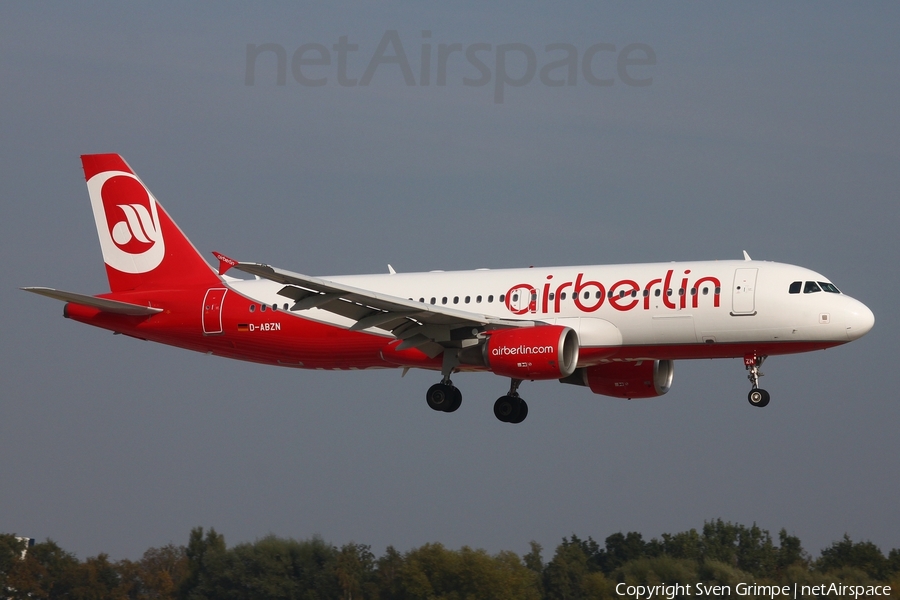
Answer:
(424, 326)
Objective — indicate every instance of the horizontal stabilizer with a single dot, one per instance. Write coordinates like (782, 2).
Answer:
(110, 306)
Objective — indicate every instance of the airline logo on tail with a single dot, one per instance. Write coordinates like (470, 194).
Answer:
(127, 222)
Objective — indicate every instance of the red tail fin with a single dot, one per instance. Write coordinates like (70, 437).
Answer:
(142, 246)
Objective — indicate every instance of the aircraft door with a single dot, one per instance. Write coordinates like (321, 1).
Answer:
(743, 292)
(212, 310)
(522, 300)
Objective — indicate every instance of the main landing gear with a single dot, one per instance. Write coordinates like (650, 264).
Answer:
(510, 408)
(446, 397)
(757, 396)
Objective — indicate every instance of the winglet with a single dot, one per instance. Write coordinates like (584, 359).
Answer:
(225, 263)
(747, 256)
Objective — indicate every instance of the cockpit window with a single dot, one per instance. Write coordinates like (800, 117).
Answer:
(810, 287)
(829, 287)
(795, 287)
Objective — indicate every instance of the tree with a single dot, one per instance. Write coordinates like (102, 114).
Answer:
(355, 570)
(565, 574)
(205, 562)
(865, 556)
(11, 550)
(621, 549)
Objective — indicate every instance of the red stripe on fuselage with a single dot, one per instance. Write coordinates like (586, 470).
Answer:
(281, 338)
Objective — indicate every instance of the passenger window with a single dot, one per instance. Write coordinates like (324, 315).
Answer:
(285, 306)
(433, 300)
(597, 295)
(515, 298)
(491, 298)
(551, 296)
(262, 307)
(252, 308)
(811, 287)
(705, 291)
(478, 299)
(455, 299)
(562, 296)
(656, 293)
(421, 299)
(795, 287)
(646, 293)
(468, 299)
(501, 298)
(444, 300)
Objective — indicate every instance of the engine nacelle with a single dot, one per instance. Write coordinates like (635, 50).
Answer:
(641, 379)
(540, 352)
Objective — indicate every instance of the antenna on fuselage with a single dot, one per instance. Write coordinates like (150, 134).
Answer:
(747, 256)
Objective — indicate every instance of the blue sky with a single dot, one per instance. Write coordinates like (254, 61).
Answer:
(769, 128)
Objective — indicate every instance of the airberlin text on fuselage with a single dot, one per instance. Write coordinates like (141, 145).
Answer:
(623, 295)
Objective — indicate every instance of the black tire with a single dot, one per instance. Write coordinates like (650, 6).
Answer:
(521, 412)
(505, 408)
(455, 400)
(439, 396)
(758, 398)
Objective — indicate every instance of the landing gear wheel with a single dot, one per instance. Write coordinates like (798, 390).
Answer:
(510, 409)
(441, 396)
(455, 401)
(758, 397)
(521, 413)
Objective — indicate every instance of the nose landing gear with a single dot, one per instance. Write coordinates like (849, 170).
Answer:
(757, 396)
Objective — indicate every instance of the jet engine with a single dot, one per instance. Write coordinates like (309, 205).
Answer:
(540, 352)
(639, 379)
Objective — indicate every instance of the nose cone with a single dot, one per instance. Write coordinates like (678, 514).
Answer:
(859, 320)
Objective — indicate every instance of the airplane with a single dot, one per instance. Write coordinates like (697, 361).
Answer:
(615, 329)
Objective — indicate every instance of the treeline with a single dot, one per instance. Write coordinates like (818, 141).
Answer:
(273, 568)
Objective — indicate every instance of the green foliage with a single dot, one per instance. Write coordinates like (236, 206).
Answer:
(722, 553)
(10, 552)
(433, 572)
(657, 570)
(864, 556)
